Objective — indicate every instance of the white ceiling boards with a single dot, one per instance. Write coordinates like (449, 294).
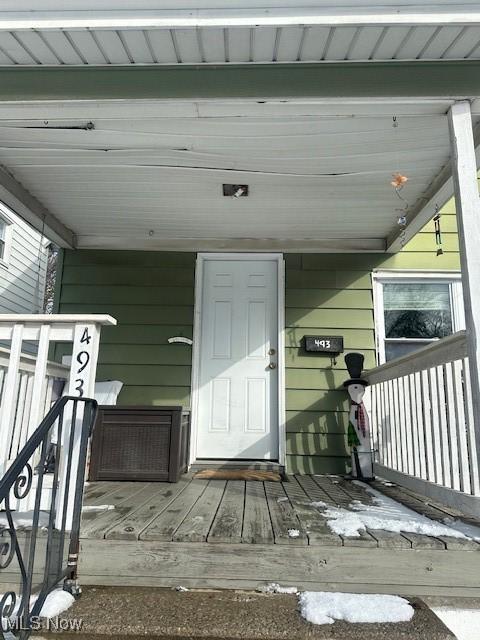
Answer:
(109, 32)
(149, 175)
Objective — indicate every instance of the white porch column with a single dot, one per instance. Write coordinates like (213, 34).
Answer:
(467, 202)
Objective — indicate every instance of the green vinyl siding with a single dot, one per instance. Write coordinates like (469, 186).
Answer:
(331, 294)
(151, 294)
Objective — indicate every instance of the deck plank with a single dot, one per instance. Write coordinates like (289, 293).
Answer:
(249, 566)
(98, 526)
(283, 516)
(340, 498)
(462, 544)
(390, 539)
(167, 522)
(356, 491)
(444, 511)
(135, 522)
(423, 507)
(420, 541)
(415, 504)
(314, 491)
(196, 526)
(314, 524)
(364, 539)
(124, 491)
(98, 494)
(228, 522)
(334, 490)
(257, 526)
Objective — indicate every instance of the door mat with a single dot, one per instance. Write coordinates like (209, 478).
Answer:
(238, 474)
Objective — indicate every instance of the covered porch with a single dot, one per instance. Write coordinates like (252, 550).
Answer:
(327, 167)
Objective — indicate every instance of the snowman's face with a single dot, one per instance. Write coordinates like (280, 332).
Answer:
(356, 392)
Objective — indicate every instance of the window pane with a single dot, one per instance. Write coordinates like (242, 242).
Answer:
(3, 228)
(417, 310)
(2, 248)
(398, 349)
(417, 295)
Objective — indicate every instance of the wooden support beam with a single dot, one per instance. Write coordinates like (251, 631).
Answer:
(24, 204)
(318, 245)
(467, 201)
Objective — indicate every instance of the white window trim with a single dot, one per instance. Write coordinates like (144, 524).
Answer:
(5, 259)
(379, 278)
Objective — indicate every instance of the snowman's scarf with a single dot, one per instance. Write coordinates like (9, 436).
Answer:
(361, 417)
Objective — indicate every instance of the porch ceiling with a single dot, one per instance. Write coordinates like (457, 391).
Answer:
(149, 175)
(70, 32)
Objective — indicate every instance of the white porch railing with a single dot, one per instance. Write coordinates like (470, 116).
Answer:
(56, 376)
(27, 382)
(422, 423)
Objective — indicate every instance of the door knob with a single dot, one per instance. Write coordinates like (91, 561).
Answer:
(272, 365)
(271, 352)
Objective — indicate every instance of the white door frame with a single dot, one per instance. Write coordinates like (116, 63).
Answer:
(197, 332)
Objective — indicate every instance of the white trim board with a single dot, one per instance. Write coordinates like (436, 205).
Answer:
(201, 259)
(7, 221)
(52, 15)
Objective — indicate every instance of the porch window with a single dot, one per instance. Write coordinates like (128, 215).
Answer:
(414, 310)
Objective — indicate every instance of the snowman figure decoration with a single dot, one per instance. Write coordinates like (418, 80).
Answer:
(359, 438)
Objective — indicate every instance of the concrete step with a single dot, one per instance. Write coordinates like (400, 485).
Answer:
(124, 613)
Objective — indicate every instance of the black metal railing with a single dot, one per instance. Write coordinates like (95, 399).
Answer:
(34, 548)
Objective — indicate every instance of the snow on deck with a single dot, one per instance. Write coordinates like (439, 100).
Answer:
(387, 514)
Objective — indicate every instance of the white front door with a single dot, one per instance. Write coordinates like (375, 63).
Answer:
(238, 356)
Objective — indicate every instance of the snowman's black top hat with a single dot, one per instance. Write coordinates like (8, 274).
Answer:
(354, 362)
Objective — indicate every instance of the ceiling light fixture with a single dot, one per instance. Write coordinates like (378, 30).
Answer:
(235, 190)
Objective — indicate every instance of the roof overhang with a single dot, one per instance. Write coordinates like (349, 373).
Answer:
(223, 32)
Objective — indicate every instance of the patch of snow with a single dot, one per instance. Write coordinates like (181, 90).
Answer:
(274, 587)
(388, 515)
(282, 499)
(324, 608)
(470, 530)
(293, 533)
(181, 589)
(56, 603)
(100, 507)
(464, 623)
(25, 519)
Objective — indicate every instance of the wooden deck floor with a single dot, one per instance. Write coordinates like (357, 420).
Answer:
(219, 533)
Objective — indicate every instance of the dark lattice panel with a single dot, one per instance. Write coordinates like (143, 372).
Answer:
(140, 444)
(135, 449)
